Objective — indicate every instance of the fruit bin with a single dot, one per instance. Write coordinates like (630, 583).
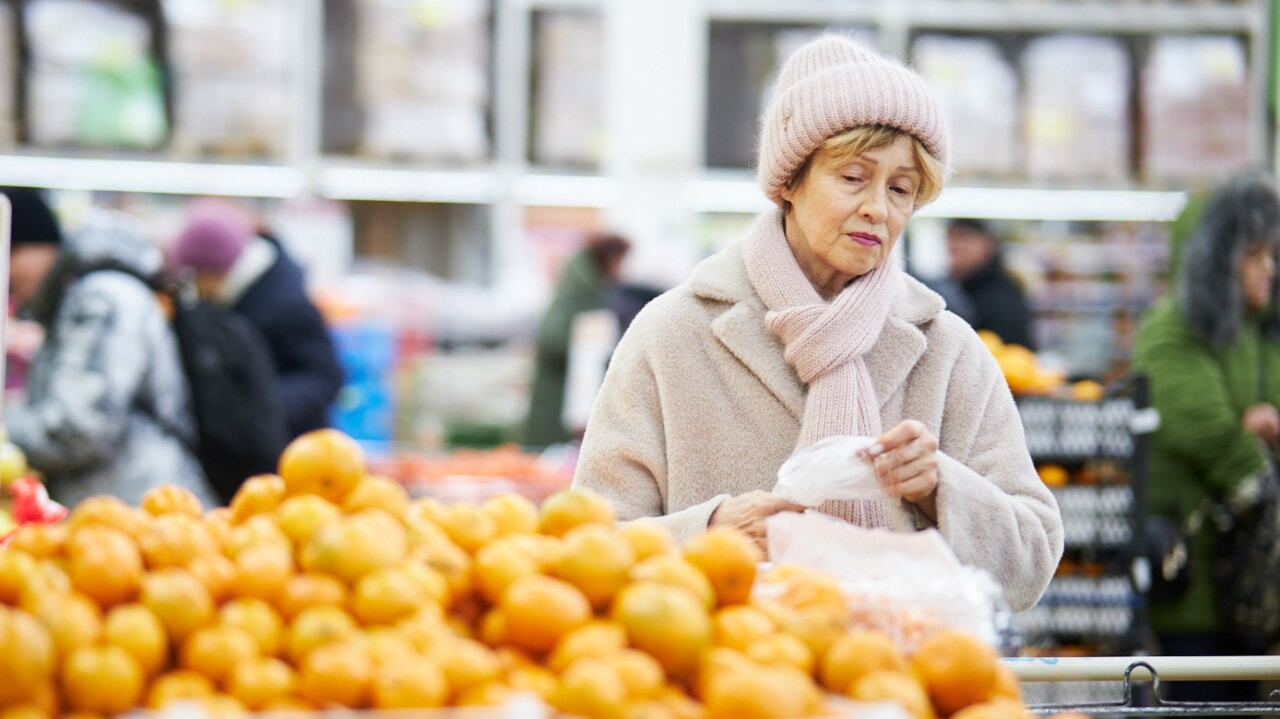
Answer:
(473, 475)
(1092, 456)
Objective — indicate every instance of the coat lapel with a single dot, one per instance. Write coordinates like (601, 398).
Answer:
(891, 359)
(741, 329)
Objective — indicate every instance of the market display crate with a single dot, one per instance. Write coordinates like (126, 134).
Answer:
(474, 474)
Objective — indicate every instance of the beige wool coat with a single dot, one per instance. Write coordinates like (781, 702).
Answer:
(698, 405)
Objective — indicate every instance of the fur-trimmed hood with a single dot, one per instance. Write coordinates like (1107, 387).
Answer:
(1242, 211)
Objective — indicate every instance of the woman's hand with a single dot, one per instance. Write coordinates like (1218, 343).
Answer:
(906, 462)
(1263, 421)
(747, 512)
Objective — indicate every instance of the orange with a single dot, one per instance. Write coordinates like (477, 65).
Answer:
(354, 546)
(1053, 475)
(133, 628)
(498, 565)
(428, 509)
(466, 663)
(174, 540)
(1006, 685)
(420, 531)
(640, 673)
(427, 629)
(1087, 390)
(258, 682)
(339, 673)
(593, 639)
(262, 572)
(309, 589)
(806, 589)
(301, 516)
(898, 687)
(47, 579)
(647, 709)
(103, 679)
(291, 704)
(540, 610)
(387, 645)
(590, 688)
(104, 563)
(216, 573)
(740, 626)
(855, 654)
(25, 711)
(45, 697)
(377, 492)
(468, 526)
(532, 679)
(452, 563)
(817, 628)
(42, 541)
(257, 618)
(493, 628)
(216, 649)
(511, 514)
(413, 684)
(27, 655)
(648, 539)
(171, 499)
(218, 522)
(995, 709)
(570, 508)
(324, 462)
(386, 595)
(729, 559)
(17, 569)
(220, 705)
(956, 668)
(73, 620)
(178, 600)
(672, 569)
(756, 692)
(782, 650)
(107, 511)
(493, 694)
(429, 583)
(668, 622)
(315, 627)
(254, 532)
(595, 560)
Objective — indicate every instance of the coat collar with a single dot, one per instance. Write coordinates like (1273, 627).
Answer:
(740, 327)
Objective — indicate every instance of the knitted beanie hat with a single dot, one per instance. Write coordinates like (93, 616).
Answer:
(831, 85)
(32, 222)
(214, 235)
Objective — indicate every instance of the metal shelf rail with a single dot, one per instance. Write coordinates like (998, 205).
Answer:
(1153, 669)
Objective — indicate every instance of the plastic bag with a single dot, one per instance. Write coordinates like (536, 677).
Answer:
(905, 584)
(829, 469)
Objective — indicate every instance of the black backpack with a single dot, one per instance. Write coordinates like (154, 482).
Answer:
(240, 424)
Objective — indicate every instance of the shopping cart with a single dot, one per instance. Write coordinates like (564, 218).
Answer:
(1141, 678)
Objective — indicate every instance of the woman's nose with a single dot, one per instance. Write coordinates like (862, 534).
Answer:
(875, 205)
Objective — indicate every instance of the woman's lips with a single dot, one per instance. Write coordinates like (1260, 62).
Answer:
(864, 239)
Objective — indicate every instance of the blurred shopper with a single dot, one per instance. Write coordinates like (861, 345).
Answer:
(1212, 353)
(806, 328)
(994, 298)
(106, 408)
(584, 283)
(237, 266)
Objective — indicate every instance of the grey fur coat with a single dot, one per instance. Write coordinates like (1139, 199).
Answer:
(106, 408)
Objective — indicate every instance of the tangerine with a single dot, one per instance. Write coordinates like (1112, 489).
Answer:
(216, 649)
(73, 620)
(511, 514)
(178, 600)
(261, 681)
(740, 626)
(571, 508)
(540, 610)
(259, 620)
(27, 655)
(595, 560)
(377, 492)
(648, 539)
(104, 563)
(324, 462)
(590, 688)
(956, 668)
(103, 679)
(596, 638)
(309, 589)
(174, 540)
(171, 499)
(499, 564)
(340, 673)
(42, 541)
(316, 627)
(673, 570)
(133, 628)
(216, 573)
(299, 517)
(261, 572)
(416, 683)
(729, 560)
(668, 622)
(468, 526)
(898, 687)
(855, 654)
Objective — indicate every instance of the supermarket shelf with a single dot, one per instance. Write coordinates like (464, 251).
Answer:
(1065, 669)
(741, 194)
(563, 190)
(1138, 18)
(340, 182)
(152, 176)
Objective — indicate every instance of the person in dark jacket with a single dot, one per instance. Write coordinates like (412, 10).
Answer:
(1211, 351)
(584, 283)
(995, 300)
(239, 267)
(106, 409)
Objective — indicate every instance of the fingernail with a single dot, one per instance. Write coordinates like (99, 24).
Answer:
(875, 449)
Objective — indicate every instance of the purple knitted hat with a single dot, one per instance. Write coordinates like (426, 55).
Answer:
(214, 235)
(831, 85)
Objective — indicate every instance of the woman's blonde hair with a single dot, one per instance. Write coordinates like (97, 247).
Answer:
(857, 140)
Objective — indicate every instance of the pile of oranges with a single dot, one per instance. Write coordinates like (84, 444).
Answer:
(326, 586)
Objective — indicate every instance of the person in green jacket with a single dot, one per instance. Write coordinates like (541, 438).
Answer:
(1212, 353)
(583, 282)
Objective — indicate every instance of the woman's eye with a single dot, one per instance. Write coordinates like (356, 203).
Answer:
(852, 178)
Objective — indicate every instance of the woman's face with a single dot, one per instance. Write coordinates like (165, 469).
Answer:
(847, 214)
(1257, 271)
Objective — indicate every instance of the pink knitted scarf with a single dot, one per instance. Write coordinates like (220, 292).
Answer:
(825, 344)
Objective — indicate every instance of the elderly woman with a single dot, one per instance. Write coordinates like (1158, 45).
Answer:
(808, 328)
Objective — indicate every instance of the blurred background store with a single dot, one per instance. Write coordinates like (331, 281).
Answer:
(433, 163)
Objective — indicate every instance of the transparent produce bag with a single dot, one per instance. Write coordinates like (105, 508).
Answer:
(829, 469)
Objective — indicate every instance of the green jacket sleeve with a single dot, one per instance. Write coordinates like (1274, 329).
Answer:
(1197, 418)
